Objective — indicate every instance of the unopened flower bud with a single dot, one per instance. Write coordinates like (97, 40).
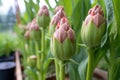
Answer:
(63, 42)
(43, 18)
(32, 61)
(35, 33)
(93, 28)
(55, 20)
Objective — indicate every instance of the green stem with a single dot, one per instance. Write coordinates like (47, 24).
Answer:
(38, 56)
(38, 59)
(46, 67)
(42, 54)
(62, 70)
(57, 69)
(90, 67)
(112, 60)
(106, 59)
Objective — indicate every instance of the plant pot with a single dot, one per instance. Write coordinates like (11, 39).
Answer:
(11, 57)
(7, 70)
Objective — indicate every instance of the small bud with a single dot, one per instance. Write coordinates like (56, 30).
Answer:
(32, 61)
(63, 42)
(43, 18)
(43, 11)
(93, 28)
(34, 25)
(35, 33)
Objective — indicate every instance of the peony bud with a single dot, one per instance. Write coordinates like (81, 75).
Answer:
(63, 42)
(43, 18)
(35, 31)
(93, 28)
(32, 61)
(55, 20)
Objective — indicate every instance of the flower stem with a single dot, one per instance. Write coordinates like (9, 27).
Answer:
(62, 70)
(90, 67)
(42, 55)
(37, 54)
(112, 61)
(57, 69)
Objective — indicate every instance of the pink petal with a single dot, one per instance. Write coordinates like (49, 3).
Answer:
(62, 35)
(65, 26)
(55, 19)
(71, 35)
(98, 19)
(88, 18)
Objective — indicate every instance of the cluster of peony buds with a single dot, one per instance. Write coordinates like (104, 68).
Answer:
(93, 28)
(63, 41)
(41, 21)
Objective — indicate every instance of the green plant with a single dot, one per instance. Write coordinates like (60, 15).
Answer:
(104, 44)
(8, 43)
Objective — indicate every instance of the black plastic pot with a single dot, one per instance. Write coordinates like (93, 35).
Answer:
(11, 57)
(7, 70)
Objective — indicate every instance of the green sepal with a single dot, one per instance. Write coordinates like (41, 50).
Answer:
(91, 34)
(52, 28)
(57, 49)
(43, 21)
(63, 51)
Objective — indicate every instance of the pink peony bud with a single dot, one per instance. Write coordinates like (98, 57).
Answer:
(34, 25)
(63, 41)
(43, 18)
(55, 20)
(94, 27)
(43, 10)
(64, 31)
(96, 15)
(57, 17)
(63, 21)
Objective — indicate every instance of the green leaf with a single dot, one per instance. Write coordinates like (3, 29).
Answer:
(79, 13)
(50, 6)
(115, 70)
(29, 10)
(82, 69)
(35, 7)
(31, 73)
(116, 8)
(109, 10)
(74, 70)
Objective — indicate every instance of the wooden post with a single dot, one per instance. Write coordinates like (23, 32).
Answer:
(18, 66)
